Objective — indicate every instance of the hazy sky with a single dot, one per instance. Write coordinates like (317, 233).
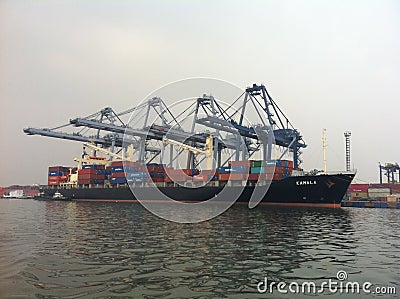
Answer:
(328, 64)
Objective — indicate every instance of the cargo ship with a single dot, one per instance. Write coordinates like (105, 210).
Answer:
(219, 159)
(281, 185)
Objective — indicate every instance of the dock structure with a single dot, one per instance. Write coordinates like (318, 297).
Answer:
(371, 204)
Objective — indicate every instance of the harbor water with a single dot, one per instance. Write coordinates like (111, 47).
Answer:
(120, 250)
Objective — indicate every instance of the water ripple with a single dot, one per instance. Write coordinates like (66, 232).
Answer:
(116, 250)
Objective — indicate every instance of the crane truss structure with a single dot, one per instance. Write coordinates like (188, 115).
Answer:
(389, 170)
(153, 121)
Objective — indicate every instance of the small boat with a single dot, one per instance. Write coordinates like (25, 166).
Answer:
(57, 196)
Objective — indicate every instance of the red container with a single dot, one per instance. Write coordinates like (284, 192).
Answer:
(358, 188)
(254, 176)
(153, 168)
(236, 177)
(180, 178)
(200, 178)
(91, 176)
(53, 183)
(269, 169)
(117, 163)
(87, 171)
(85, 181)
(56, 168)
(118, 175)
(210, 172)
(241, 163)
(157, 180)
(224, 177)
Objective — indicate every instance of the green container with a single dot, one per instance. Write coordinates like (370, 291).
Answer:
(257, 170)
(257, 164)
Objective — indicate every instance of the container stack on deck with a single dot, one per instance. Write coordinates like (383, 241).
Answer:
(253, 170)
(91, 175)
(123, 172)
(57, 175)
(118, 172)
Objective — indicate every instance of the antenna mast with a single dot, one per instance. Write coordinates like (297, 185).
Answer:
(347, 135)
(324, 147)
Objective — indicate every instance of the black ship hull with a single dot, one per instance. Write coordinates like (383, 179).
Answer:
(313, 190)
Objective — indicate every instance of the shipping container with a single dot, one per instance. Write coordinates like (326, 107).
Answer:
(240, 169)
(254, 176)
(56, 173)
(224, 176)
(269, 169)
(201, 178)
(378, 192)
(87, 171)
(118, 175)
(257, 163)
(137, 175)
(56, 168)
(359, 194)
(224, 170)
(257, 170)
(241, 163)
(118, 181)
(237, 177)
(358, 188)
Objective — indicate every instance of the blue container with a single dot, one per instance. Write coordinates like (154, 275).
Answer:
(90, 166)
(155, 164)
(137, 175)
(117, 169)
(224, 170)
(274, 163)
(239, 169)
(257, 170)
(98, 182)
(118, 181)
(56, 173)
(139, 180)
(153, 174)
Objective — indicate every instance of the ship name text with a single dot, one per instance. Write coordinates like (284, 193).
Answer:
(302, 183)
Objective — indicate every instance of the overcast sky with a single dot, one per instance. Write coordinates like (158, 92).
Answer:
(328, 64)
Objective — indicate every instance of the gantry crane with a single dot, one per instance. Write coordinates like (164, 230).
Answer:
(231, 131)
(389, 170)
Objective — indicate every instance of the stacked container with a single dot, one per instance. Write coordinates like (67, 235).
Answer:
(91, 174)
(57, 175)
(357, 191)
(180, 175)
(206, 175)
(117, 175)
(156, 172)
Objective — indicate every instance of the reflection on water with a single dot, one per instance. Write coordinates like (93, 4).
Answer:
(86, 250)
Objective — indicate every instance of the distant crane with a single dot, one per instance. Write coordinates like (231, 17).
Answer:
(389, 170)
